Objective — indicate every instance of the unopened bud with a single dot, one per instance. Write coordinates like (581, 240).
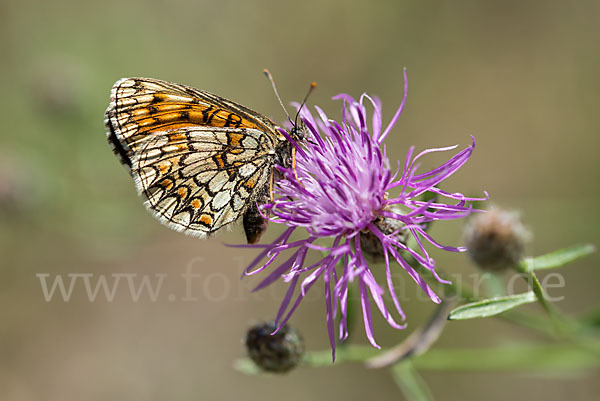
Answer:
(496, 239)
(279, 352)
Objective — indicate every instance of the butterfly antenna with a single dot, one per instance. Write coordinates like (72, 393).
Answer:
(313, 85)
(270, 78)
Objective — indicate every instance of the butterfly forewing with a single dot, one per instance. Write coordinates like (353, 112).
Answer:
(142, 106)
(200, 161)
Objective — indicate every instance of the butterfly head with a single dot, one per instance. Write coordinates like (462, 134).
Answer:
(298, 131)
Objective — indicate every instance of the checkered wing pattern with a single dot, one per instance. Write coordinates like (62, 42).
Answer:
(199, 179)
(199, 160)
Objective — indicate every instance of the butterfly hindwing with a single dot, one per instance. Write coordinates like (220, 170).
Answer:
(194, 180)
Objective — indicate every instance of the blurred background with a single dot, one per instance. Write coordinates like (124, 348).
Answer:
(520, 76)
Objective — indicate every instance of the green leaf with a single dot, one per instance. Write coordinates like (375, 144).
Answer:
(491, 307)
(517, 357)
(558, 258)
(411, 383)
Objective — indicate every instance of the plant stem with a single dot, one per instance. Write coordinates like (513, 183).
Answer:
(411, 383)
(538, 290)
(563, 325)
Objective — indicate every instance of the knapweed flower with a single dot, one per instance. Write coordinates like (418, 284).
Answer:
(341, 191)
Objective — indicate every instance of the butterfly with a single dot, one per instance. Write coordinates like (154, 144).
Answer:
(200, 162)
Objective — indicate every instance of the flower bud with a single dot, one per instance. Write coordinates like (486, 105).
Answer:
(279, 352)
(496, 239)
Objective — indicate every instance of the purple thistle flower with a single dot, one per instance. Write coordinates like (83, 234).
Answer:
(340, 191)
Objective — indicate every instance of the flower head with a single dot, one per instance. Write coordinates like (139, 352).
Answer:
(278, 353)
(496, 239)
(340, 191)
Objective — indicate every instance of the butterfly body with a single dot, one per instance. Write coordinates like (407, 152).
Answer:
(199, 161)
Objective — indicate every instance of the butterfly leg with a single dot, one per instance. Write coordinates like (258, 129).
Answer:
(271, 185)
(294, 165)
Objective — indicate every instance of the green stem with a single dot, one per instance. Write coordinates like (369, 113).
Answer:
(538, 290)
(410, 382)
(495, 287)
(564, 326)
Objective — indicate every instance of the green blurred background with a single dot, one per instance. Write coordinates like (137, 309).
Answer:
(520, 76)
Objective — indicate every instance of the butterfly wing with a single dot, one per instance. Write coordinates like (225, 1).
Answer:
(141, 107)
(199, 160)
(199, 179)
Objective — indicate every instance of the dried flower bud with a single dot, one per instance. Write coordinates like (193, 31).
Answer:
(279, 352)
(496, 240)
